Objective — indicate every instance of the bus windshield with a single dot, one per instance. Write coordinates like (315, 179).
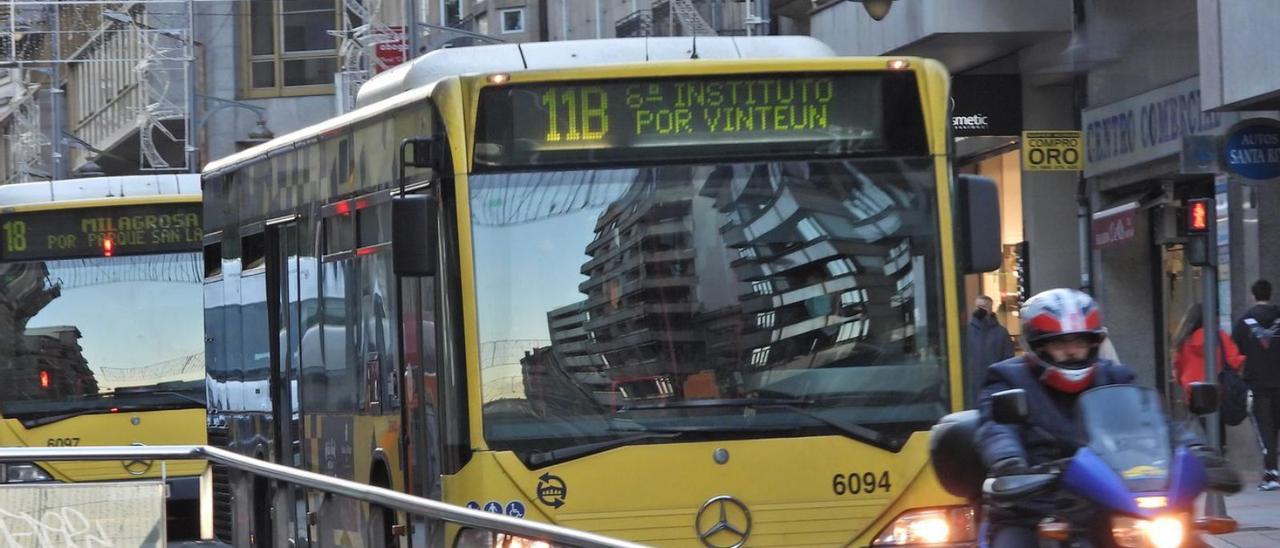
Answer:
(99, 335)
(711, 301)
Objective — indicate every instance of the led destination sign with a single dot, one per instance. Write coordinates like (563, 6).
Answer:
(829, 114)
(99, 231)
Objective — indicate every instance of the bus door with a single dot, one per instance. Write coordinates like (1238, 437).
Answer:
(284, 283)
(420, 442)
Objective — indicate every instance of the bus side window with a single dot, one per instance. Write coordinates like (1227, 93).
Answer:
(253, 251)
(213, 259)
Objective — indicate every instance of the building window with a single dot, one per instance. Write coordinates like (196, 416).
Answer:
(760, 356)
(840, 267)
(764, 320)
(762, 287)
(289, 48)
(855, 329)
(810, 230)
(512, 20)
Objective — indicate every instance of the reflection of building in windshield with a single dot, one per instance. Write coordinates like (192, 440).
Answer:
(641, 290)
(822, 271)
(700, 277)
(37, 363)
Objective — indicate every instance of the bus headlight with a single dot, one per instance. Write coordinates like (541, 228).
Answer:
(24, 472)
(929, 526)
(479, 538)
(1162, 532)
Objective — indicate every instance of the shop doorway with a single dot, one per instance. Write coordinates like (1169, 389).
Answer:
(1180, 289)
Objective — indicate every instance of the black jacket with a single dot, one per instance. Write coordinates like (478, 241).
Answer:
(1260, 346)
(1052, 411)
(986, 342)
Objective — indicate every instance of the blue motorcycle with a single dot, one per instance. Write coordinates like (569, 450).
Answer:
(1126, 483)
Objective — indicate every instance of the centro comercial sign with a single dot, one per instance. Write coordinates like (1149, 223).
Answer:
(1147, 127)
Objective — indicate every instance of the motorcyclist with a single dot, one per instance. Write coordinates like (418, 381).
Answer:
(1061, 334)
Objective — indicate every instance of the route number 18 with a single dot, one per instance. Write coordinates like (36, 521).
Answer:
(15, 235)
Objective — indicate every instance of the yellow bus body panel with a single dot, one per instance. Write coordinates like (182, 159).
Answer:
(651, 494)
(164, 427)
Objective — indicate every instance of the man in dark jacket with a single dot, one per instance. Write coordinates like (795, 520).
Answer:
(1061, 332)
(1257, 334)
(986, 342)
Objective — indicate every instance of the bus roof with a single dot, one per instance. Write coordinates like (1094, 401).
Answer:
(411, 81)
(578, 53)
(97, 188)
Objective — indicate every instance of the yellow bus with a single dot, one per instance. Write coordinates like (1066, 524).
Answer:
(101, 338)
(675, 292)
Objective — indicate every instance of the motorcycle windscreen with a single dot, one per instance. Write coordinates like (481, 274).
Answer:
(1126, 427)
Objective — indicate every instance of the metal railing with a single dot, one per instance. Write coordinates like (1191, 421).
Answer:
(376, 496)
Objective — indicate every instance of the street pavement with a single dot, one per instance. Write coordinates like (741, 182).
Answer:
(1256, 512)
(1258, 515)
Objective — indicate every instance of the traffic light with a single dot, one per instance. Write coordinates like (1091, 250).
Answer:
(1199, 215)
(1200, 218)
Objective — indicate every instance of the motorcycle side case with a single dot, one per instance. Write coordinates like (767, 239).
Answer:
(954, 453)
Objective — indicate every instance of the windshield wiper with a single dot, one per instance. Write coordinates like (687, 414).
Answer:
(851, 430)
(172, 393)
(543, 458)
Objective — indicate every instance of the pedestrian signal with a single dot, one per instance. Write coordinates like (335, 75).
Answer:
(1198, 211)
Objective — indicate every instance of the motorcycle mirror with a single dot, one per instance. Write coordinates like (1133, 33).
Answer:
(1203, 399)
(1009, 406)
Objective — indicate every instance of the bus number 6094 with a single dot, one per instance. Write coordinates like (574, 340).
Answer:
(855, 483)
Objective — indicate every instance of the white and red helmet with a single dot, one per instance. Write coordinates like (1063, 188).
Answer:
(1062, 313)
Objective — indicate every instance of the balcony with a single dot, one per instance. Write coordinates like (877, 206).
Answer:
(114, 80)
(635, 24)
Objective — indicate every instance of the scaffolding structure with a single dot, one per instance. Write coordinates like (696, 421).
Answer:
(101, 72)
(363, 33)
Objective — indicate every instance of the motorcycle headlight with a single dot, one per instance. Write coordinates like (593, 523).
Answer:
(478, 538)
(1162, 532)
(24, 472)
(929, 526)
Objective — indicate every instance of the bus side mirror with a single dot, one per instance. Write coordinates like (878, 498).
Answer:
(978, 212)
(1203, 399)
(422, 152)
(413, 231)
(1010, 406)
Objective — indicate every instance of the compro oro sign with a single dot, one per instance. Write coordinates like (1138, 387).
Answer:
(1052, 151)
(1251, 149)
(116, 514)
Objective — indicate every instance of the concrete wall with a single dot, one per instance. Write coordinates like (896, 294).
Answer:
(1137, 45)
(1049, 198)
(1238, 41)
(847, 28)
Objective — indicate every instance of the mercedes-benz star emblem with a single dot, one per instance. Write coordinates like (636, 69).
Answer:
(136, 467)
(723, 522)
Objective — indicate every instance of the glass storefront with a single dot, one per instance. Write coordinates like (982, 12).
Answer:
(1003, 165)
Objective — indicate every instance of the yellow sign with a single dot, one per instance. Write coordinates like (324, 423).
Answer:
(1144, 471)
(1052, 150)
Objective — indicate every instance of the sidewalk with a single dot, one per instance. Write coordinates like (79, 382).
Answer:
(1258, 514)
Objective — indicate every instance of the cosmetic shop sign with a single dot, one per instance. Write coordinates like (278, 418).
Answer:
(1252, 149)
